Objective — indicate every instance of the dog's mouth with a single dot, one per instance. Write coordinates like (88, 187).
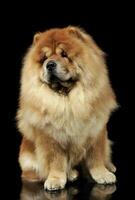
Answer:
(61, 86)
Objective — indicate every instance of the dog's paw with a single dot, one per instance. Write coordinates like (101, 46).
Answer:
(31, 176)
(55, 183)
(103, 176)
(73, 175)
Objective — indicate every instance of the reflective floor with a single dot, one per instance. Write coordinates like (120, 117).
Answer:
(77, 191)
(81, 189)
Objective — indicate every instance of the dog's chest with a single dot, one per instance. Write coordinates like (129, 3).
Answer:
(74, 128)
(68, 120)
(66, 124)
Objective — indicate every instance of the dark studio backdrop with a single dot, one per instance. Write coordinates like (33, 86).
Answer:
(107, 30)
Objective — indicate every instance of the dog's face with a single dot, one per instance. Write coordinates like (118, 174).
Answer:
(55, 53)
(58, 69)
(58, 53)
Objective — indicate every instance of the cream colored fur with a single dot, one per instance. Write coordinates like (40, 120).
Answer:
(69, 120)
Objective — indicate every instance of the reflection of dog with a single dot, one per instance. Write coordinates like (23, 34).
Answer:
(65, 103)
(36, 192)
(102, 192)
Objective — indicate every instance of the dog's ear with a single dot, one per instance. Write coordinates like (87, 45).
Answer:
(84, 37)
(77, 32)
(36, 37)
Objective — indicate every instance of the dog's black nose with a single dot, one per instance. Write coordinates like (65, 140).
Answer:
(51, 65)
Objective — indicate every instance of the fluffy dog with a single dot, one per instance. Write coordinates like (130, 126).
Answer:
(65, 103)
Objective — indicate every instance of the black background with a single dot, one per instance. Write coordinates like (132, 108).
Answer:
(109, 26)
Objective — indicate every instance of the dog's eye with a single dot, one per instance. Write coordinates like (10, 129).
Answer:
(64, 54)
(42, 59)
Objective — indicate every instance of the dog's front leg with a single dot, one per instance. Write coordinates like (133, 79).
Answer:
(52, 162)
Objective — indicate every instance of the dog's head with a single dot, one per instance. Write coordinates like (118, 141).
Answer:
(61, 56)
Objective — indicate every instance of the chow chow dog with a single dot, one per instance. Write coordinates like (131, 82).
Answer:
(65, 103)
